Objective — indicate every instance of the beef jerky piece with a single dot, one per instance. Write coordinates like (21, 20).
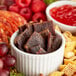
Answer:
(22, 38)
(45, 33)
(49, 42)
(35, 39)
(41, 51)
(15, 40)
(38, 27)
(22, 28)
(35, 49)
(56, 43)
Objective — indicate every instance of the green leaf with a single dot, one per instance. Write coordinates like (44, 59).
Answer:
(49, 1)
(16, 74)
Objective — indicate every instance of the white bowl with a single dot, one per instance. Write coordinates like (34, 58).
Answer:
(63, 27)
(32, 64)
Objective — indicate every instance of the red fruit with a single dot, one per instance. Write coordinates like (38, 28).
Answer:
(1, 64)
(3, 7)
(9, 61)
(38, 16)
(38, 6)
(3, 49)
(8, 2)
(23, 3)
(27, 2)
(14, 8)
(26, 12)
(36, 0)
(4, 72)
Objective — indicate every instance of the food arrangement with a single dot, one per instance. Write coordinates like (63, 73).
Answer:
(11, 12)
(38, 38)
(31, 10)
(69, 66)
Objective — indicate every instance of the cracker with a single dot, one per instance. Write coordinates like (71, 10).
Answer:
(69, 70)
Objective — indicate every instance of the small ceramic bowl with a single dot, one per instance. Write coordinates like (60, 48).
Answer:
(32, 64)
(62, 26)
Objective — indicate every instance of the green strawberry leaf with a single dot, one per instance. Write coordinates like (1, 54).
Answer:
(49, 1)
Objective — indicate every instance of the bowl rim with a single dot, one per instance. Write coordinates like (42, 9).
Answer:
(25, 53)
(57, 4)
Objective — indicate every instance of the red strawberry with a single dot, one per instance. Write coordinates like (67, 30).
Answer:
(38, 6)
(26, 12)
(38, 16)
(36, 0)
(14, 8)
(8, 2)
(23, 3)
(3, 7)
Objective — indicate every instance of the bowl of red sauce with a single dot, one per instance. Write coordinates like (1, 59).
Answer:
(63, 14)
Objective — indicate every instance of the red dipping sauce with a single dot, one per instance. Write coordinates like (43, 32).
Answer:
(65, 14)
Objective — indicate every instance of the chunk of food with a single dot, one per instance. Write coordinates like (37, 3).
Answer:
(41, 51)
(38, 27)
(22, 28)
(38, 38)
(37, 50)
(56, 43)
(45, 33)
(23, 37)
(49, 43)
(35, 39)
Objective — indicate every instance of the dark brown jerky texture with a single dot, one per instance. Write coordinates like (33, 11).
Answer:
(41, 51)
(38, 27)
(35, 39)
(45, 33)
(49, 42)
(22, 38)
(35, 49)
(56, 43)
(22, 28)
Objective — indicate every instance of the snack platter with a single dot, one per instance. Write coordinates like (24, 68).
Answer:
(37, 38)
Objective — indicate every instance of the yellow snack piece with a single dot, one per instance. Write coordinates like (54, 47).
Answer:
(75, 51)
(69, 54)
(67, 61)
(69, 49)
(68, 34)
(62, 67)
(57, 73)
(73, 58)
(69, 70)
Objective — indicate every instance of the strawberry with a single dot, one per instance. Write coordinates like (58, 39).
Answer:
(8, 2)
(38, 6)
(26, 12)
(3, 7)
(38, 16)
(14, 8)
(23, 3)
